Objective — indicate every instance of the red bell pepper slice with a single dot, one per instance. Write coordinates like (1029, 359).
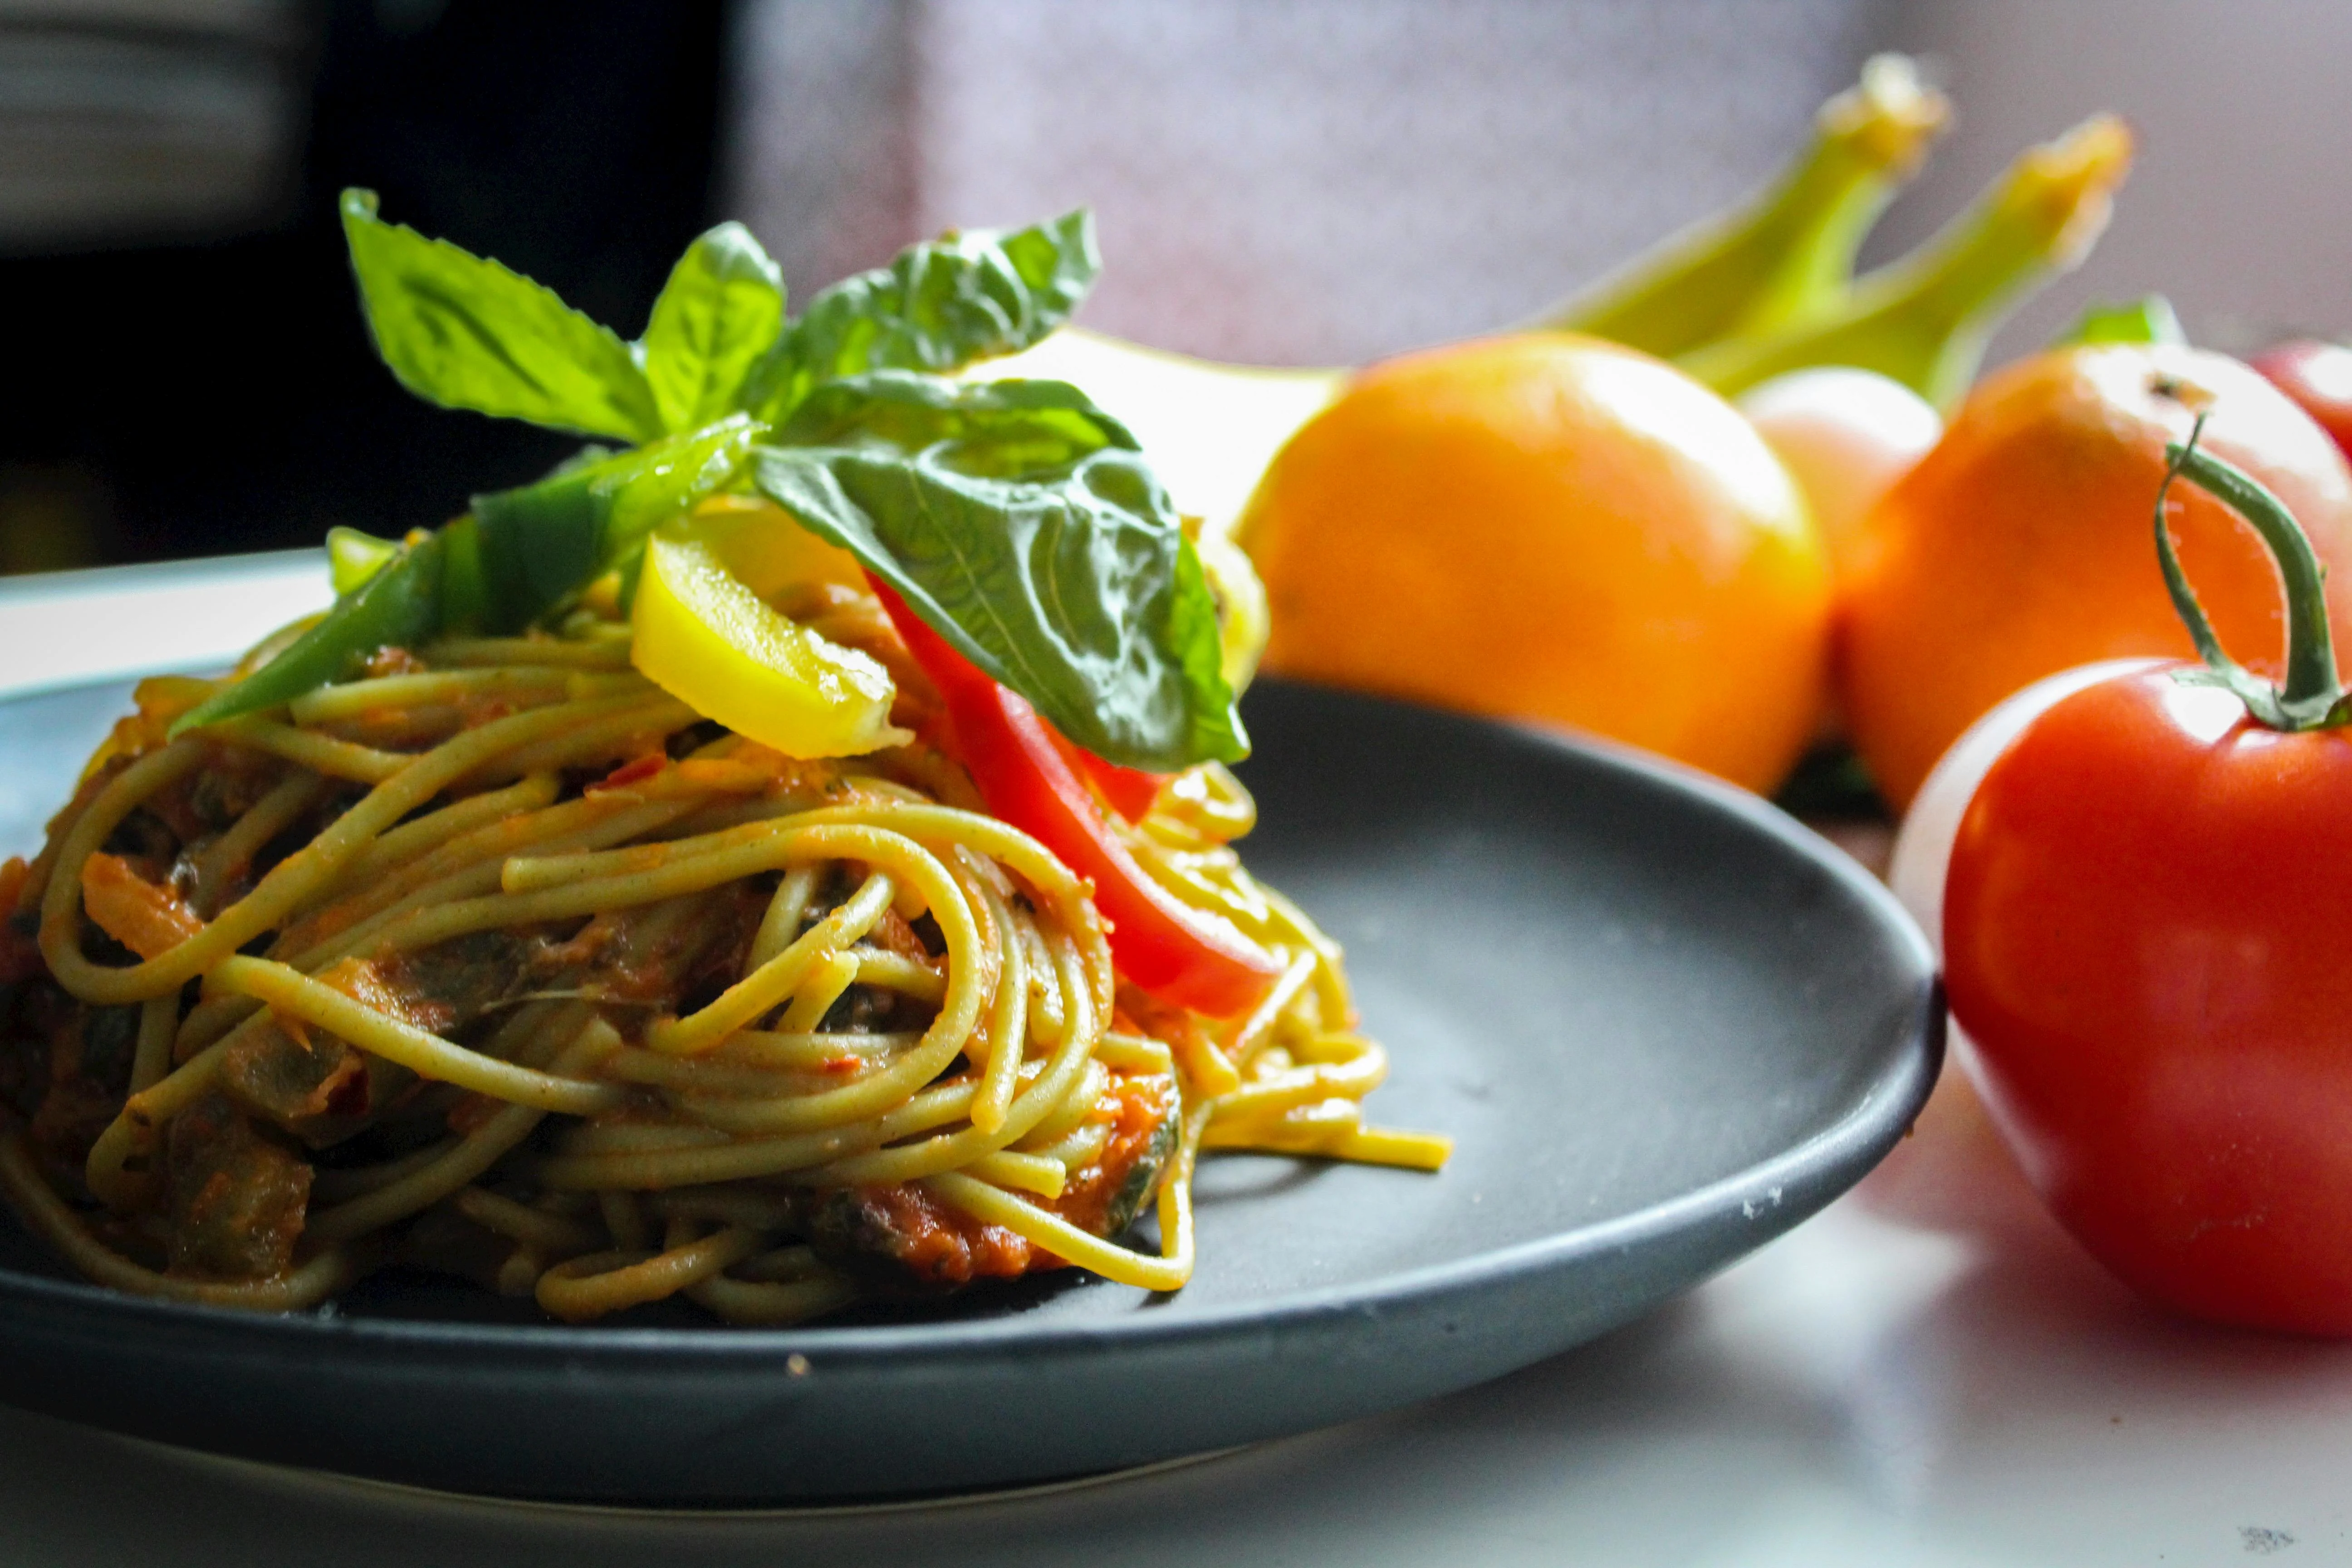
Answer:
(1178, 954)
(1126, 791)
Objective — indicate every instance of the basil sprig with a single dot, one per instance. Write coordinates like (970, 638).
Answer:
(720, 314)
(938, 306)
(465, 332)
(1019, 520)
(1015, 517)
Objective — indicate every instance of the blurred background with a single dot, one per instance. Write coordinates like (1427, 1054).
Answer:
(1282, 181)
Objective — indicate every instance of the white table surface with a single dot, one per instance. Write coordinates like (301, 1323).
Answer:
(1928, 1373)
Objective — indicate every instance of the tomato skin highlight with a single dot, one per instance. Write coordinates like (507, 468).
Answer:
(1025, 775)
(2318, 376)
(2147, 918)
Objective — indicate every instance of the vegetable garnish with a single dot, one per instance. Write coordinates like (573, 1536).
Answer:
(2145, 920)
(464, 331)
(1184, 955)
(705, 636)
(938, 308)
(1017, 519)
(1020, 523)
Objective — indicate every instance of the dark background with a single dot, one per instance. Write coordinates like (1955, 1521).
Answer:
(202, 398)
(1306, 182)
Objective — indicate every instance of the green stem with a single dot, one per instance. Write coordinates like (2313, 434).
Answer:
(1790, 253)
(1924, 321)
(2311, 696)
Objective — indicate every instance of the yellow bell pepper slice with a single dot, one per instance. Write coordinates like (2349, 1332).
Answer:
(704, 635)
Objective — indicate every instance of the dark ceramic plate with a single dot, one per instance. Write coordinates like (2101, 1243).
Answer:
(1662, 1022)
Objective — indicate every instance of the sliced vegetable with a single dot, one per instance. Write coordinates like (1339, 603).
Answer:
(396, 606)
(465, 333)
(703, 635)
(1126, 791)
(519, 554)
(1188, 956)
(1243, 620)
(938, 306)
(543, 542)
(1019, 517)
(150, 921)
(354, 557)
(1022, 525)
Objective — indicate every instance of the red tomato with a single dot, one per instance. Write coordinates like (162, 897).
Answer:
(2318, 376)
(2147, 933)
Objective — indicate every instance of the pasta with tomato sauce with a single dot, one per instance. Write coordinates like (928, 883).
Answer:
(496, 959)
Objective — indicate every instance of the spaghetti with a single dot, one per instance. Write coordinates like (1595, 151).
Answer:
(499, 960)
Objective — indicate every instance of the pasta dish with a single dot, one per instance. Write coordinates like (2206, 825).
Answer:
(703, 912)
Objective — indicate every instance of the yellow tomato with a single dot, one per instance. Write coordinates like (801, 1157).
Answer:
(2021, 544)
(705, 634)
(1845, 437)
(1555, 528)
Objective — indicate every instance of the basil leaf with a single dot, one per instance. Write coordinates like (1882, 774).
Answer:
(543, 542)
(720, 311)
(395, 607)
(939, 306)
(465, 332)
(1000, 429)
(1019, 520)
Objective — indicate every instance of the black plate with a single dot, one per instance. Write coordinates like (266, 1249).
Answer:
(1663, 1023)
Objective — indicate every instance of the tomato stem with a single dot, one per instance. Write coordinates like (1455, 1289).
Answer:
(2311, 696)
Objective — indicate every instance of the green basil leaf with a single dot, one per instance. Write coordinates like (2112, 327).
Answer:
(465, 332)
(939, 306)
(999, 430)
(543, 542)
(720, 311)
(398, 605)
(1019, 519)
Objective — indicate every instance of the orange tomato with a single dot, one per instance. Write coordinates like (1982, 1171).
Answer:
(1554, 527)
(2022, 543)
